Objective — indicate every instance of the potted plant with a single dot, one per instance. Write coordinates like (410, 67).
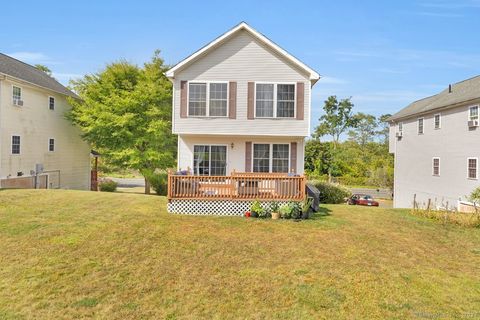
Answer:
(274, 208)
(296, 210)
(285, 211)
(257, 211)
(247, 214)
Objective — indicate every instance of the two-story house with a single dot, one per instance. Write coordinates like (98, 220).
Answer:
(38, 145)
(436, 142)
(241, 104)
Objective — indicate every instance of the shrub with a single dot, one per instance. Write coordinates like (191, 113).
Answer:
(475, 195)
(158, 182)
(286, 211)
(257, 208)
(108, 185)
(330, 193)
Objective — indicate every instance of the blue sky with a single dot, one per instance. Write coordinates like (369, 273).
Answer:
(384, 54)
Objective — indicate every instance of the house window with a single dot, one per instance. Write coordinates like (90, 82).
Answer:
(420, 126)
(17, 93)
(208, 99)
(473, 113)
(15, 144)
(473, 168)
(274, 100)
(436, 166)
(271, 157)
(218, 100)
(400, 127)
(264, 100)
(438, 121)
(209, 160)
(280, 158)
(51, 103)
(51, 144)
(285, 100)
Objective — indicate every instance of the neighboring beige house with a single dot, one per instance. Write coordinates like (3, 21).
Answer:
(241, 103)
(34, 132)
(436, 142)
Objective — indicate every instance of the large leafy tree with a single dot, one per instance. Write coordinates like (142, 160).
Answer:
(337, 118)
(125, 113)
(44, 68)
(384, 128)
(365, 129)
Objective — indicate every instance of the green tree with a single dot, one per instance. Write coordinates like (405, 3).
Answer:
(365, 129)
(44, 68)
(337, 119)
(384, 128)
(125, 113)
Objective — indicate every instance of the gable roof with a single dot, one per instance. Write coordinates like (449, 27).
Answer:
(20, 70)
(313, 75)
(463, 91)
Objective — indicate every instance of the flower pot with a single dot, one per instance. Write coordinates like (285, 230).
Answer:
(275, 215)
(254, 215)
(247, 214)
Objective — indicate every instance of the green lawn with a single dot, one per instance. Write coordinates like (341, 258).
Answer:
(67, 254)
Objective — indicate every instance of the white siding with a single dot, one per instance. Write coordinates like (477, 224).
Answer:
(453, 144)
(235, 155)
(242, 59)
(36, 123)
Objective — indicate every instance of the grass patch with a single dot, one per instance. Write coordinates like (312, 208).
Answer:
(70, 254)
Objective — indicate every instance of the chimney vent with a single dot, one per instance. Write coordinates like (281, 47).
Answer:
(449, 88)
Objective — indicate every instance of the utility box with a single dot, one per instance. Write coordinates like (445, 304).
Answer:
(39, 168)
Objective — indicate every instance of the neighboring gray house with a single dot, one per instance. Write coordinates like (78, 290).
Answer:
(436, 142)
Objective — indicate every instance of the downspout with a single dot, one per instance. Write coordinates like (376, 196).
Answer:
(2, 78)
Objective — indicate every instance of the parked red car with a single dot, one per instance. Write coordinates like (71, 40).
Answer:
(362, 200)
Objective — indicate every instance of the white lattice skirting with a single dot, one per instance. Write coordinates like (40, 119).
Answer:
(213, 207)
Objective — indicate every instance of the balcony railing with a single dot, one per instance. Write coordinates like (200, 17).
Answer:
(237, 186)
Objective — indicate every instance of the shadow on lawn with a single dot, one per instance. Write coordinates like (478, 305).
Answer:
(322, 213)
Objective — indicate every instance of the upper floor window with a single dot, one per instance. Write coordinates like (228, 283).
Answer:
(400, 127)
(15, 144)
(17, 95)
(473, 113)
(420, 126)
(51, 144)
(436, 166)
(438, 121)
(473, 168)
(209, 160)
(271, 157)
(51, 103)
(207, 99)
(274, 100)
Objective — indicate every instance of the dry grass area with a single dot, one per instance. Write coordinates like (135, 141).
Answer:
(67, 254)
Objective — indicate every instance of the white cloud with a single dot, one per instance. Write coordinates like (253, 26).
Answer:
(65, 77)
(389, 96)
(332, 80)
(30, 57)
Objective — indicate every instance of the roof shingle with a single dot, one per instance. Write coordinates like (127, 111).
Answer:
(23, 71)
(462, 91)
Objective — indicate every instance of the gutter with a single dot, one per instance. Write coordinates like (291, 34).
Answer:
(450, 106)
(73, 95)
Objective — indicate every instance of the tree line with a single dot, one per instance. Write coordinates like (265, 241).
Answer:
(355, 151)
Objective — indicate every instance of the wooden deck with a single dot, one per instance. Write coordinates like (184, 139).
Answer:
(237, 186)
